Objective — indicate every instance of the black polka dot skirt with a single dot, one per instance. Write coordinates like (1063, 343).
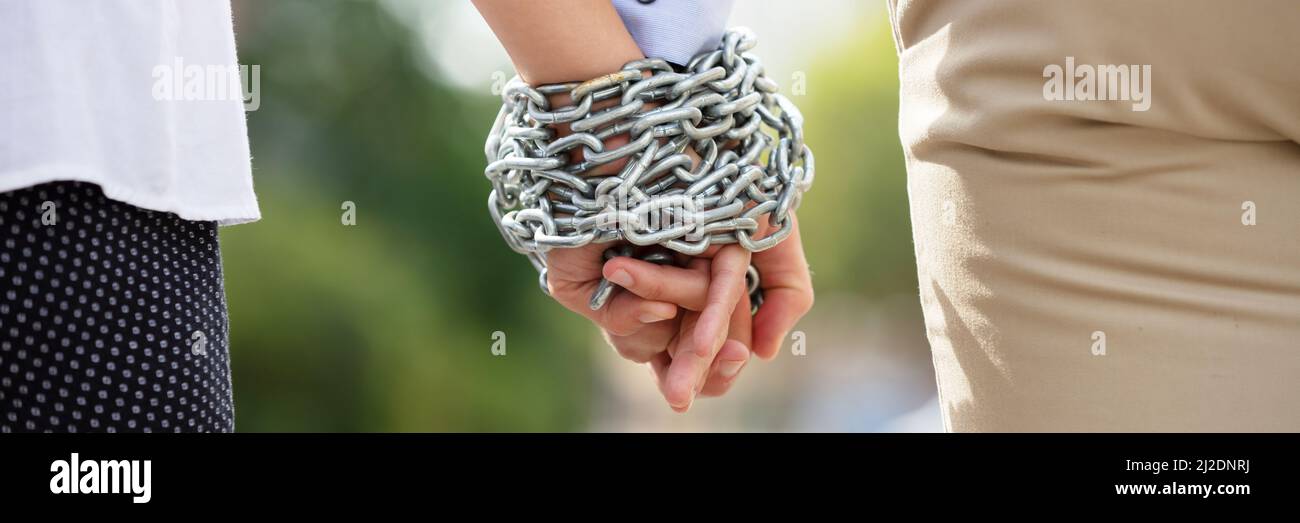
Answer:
(112, 318)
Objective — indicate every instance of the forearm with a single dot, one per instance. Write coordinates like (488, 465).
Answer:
(552, 42)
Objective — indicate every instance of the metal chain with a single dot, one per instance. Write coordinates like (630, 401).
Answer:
(719, 105)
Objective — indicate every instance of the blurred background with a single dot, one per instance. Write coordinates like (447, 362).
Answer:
(387, 325)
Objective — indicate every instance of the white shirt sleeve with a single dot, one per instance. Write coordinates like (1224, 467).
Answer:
(675, 30)
(142, 98)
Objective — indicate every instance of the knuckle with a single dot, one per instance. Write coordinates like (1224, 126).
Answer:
(700, 351)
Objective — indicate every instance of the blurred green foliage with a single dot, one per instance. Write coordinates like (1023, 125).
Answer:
(855, 222)
(387, 325)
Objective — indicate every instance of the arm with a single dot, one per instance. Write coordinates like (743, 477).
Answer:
(554, 42)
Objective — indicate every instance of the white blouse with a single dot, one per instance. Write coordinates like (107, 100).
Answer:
(141, 98)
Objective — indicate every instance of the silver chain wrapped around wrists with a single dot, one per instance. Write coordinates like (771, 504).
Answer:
(721, 105)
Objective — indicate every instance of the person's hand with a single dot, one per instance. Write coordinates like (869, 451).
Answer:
(691, 324)
(664, 309)
(709, 344)
(787, 291)
(784, 277)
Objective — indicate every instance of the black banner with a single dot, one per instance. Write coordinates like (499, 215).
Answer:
(142, 472)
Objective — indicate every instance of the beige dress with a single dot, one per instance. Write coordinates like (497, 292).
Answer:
(1088, 266)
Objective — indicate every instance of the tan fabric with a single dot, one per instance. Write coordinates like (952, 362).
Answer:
(1040, 222)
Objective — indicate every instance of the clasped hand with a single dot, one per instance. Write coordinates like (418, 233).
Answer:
(690, 323)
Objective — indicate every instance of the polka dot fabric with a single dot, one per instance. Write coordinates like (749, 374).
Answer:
(112, 318)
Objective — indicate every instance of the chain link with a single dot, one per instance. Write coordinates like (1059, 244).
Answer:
(720, 105)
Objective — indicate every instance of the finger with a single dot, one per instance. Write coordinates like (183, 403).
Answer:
(787, 293)
(572, 275)
(676, 384)
(734, 353)
(687, 288)
(741, 325)
(731, 351)
(627, 313)
(646, 344)
(659, 364)
(726, 288)
(781, 310)
(731, 359)
(694, 356)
